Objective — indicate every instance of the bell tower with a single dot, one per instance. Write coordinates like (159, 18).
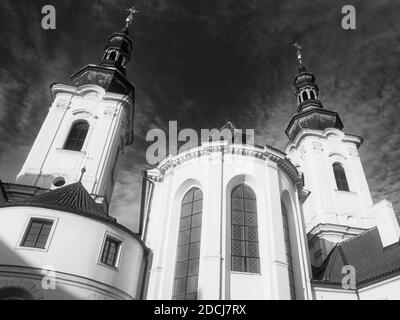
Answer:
(88, 126)
(339, 205)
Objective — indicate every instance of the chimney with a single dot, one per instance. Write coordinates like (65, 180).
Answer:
(387, 223)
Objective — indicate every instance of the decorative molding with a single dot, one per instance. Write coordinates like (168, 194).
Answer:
(317, 146)
(109, 112)
(353, 153)
(206, 149)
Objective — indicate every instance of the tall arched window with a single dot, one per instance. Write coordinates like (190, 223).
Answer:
(289, 259)
(312, 95)
(340, 177)
(188, 252)
(305, 97)
(244, 230)
(77, 136)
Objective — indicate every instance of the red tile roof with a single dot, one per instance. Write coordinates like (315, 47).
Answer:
(73, 198)
(366, 254)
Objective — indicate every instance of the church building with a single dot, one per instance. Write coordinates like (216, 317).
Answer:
(223, 220)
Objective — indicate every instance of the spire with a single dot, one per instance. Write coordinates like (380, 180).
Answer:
(117, 51)
(110, 72)
(310, 111)
(307, 91)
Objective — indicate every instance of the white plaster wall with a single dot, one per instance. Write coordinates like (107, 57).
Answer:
(74, 249)
(106, 114)
(383, 290)
(388, 289)
(216, 181)
(322, 293)
(314, 152)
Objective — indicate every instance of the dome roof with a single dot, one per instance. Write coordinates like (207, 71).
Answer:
(72, 198)
(304, 79)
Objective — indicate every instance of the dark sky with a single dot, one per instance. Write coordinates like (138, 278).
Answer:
(201, 62)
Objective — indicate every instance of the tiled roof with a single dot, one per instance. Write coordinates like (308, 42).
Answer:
(73, 198)
(366, 254)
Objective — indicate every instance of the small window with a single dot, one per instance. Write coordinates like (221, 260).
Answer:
(305, 97)
(77, 136)
(312, 95)
(37, 234)
(340, 177)
(110, 251)
(58, 182)
(112, 56)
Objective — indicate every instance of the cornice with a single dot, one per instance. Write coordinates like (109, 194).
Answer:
(266, 153)
(324, 134)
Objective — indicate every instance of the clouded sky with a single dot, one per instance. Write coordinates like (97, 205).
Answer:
(203, 62)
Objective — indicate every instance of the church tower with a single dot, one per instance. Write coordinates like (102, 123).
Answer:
(88, 125)
(339, 205)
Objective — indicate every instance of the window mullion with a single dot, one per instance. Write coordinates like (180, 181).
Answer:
(37, 235)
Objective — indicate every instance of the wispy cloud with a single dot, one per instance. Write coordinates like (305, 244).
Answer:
(202, 62)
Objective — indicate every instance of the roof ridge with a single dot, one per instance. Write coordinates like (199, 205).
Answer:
(73, 197)
(357, 236)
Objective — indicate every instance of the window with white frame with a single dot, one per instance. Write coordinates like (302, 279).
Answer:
(340, 177)
(37, 233)
(110, 251)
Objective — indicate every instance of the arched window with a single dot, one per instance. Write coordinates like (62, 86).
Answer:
(120, 60)
(312, 95)
(188, 252)
(305, 97)
(14, 293)
(340, 177)
(77, 136)
(113, 56)
(244, 230)
(289, 259)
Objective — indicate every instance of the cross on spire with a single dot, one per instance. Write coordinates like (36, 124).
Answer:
(129, 19)
(299, 53)
(83, 170)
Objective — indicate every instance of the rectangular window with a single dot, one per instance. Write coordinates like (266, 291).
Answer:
(110, 251)
(37, 233)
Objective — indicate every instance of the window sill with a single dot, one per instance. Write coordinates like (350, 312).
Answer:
(347, 192)
(70, 151)
(246, 273)
(32, 249)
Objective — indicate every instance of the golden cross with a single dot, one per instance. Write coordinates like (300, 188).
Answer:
(129, 19)
(299, 53)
